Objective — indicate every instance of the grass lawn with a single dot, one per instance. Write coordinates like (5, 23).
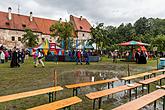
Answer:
(26, 78)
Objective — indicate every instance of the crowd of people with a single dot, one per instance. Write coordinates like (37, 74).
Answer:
(16, 56)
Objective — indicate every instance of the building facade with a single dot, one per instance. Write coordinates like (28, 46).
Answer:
(12, 28)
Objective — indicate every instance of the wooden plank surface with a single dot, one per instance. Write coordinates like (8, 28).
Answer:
(142, 101)
(150, 80)
(90, 83)
(98, 94)
(142, 74)
(58, 104)
(136, 76)
(29, 94)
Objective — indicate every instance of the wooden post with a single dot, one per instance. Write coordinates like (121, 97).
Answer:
(128, 70)
(157, 63)
(55, 78)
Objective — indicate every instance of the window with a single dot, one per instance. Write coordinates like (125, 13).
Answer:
(83, 35)
(81, 27)
(13, 38)
(24, 25)
(19, 38)
(7, 23)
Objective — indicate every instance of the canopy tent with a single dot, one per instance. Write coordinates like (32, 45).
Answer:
(132, 44)
(88, 47)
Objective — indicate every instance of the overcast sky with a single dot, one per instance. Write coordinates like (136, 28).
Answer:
(110, 12)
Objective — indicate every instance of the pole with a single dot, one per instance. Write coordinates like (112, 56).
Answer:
(55, 78)
(157, 62)
(128, 70)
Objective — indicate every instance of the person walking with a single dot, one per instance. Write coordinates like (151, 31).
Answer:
(78, 55)
(40, 56)
(6, 55)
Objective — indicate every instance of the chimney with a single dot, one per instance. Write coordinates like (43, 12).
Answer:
(81, 17)
(9, 13)
(60, 20)
(31, 16)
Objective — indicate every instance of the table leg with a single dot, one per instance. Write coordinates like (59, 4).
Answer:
(112, 84)
(99, 102)
(108, 85)
(164, 103)
(154, 105)
(94, 101)
(136, 92)
(148, 88)
(130, 95)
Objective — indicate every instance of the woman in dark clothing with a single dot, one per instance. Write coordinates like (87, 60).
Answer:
(14, 59)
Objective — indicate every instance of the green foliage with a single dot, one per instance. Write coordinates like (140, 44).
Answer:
(29, 38)
(63, 31)
(159, 41)
(144, 30)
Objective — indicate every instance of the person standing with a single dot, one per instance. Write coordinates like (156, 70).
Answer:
(14, 58)
(78, 57)
(22, 55)
(2, 56)
(40, 56)
(6, 55)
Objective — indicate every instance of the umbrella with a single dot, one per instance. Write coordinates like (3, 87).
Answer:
(133, 43)
(88, 47)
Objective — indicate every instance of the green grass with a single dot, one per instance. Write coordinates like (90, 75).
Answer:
(26, 78)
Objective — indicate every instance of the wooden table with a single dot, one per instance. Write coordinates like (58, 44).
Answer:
(152, 72)
(50, 91)
(148, 81)
(143, 101)
(99, 94)
(65, 103)
(76, 86)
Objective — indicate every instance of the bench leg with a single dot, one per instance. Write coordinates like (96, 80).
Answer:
(160, 82)
(164, 103)
(148, 88)
(154, 105)
(50, 96)
(130, 95)
(75, 90)
(94, 104)
(142, 89)
(99, 103)
(112, 84)
(55, 95)
(129, 81)
(136, 93)
(108, 85)
(144, 77)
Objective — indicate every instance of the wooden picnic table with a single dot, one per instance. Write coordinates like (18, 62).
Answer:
(76, 86)
(150, 80)
(99, 94)
(65, 103)
(143, 101)
(49, 90)
(128, 78)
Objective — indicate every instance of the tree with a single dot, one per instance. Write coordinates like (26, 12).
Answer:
(159, 41)
(64, 33)
(29, 38)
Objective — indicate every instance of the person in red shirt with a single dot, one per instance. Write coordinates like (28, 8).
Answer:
(78, 59)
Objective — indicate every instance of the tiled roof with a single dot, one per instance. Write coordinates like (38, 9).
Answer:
(21, 22)
(80, 24)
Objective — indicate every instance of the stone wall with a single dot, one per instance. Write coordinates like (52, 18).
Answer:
(6, 38)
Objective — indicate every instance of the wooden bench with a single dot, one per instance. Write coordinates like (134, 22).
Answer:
(50, 91)
(143, 101)
(141, 75)
(148, 81)
(76, 86)
(99, 94)
(65, 103)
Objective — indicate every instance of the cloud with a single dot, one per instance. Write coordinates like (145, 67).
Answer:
(110, 12)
